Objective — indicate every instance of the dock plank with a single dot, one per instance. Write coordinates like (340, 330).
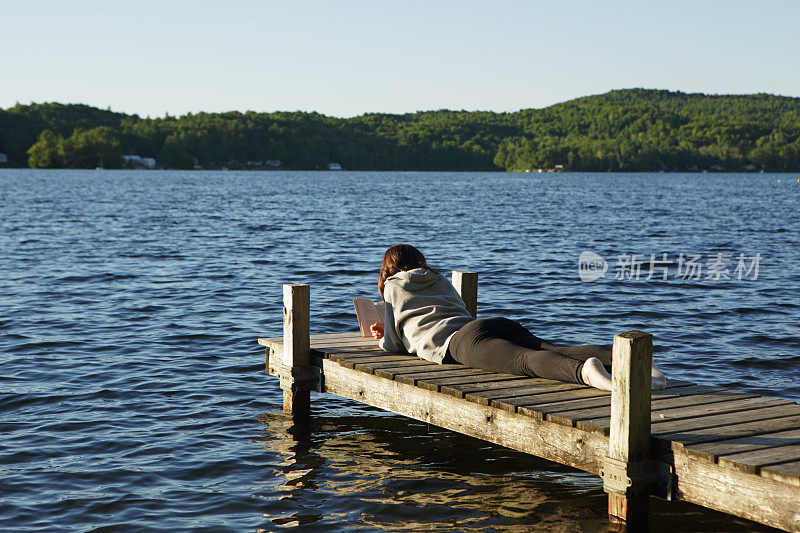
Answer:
(351, 355)
(433, 367)
(419, 378)
(675, 400)
(371, 366)
(751, 462)
(361, 362)
(484, 378)
(711, 421)
(757, 498)
(711, 451)
(545, 409)
(530, 401)
(461, 389)
(698, 420)
(785, 472)
(681, 408)
(678, 438)
(538, 387)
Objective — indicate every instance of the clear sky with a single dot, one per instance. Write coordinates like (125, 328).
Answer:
(345, 58)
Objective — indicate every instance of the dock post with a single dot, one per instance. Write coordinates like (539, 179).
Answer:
(625, 469)
(295, 370)
(466, 284)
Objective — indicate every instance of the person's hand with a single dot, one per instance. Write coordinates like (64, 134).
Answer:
(377, 330)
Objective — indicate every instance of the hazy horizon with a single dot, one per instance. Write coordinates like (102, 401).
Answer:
(357, 57)
(243, 111)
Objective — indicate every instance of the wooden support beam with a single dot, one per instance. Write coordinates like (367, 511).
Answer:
(295, 372)
(466, 284)
(625, 469)
(555, 442)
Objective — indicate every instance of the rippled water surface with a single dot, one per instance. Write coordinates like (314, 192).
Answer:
(133, 395)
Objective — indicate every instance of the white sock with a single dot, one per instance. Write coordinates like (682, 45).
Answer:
(594, 375)
(658, 380)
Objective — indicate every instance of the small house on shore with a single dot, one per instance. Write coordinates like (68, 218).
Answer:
(135, 161)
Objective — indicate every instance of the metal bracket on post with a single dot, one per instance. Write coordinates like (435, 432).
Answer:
(637, 478)
(302, 378)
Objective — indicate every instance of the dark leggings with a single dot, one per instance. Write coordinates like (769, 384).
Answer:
(503, 345)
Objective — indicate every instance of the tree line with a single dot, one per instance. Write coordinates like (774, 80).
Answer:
(632, 129)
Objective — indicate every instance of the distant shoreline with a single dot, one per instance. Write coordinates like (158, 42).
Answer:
(631, 130)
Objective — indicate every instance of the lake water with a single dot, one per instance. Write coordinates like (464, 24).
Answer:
(133, 394)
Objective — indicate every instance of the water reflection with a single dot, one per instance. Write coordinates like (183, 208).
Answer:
(383, 472)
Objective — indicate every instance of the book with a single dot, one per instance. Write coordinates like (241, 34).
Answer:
(368, 312)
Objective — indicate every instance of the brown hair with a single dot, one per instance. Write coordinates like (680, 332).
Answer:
(399, 258)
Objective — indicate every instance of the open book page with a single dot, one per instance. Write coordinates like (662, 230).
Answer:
(368, 312)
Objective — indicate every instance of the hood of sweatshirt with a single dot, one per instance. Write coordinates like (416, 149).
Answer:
(423, 312)
(415, 280)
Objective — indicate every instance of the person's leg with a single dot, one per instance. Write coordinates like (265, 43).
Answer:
(582, 352)
(515, 332)
(480, 344)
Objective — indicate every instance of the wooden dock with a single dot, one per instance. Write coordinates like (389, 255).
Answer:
(733, 451)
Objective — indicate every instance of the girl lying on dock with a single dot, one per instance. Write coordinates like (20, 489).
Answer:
(426, 316)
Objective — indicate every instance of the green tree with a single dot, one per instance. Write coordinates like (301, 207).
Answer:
(174, 153)
(97, 147)
(47, 152)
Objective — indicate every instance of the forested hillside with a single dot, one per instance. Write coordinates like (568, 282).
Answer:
(633, 129)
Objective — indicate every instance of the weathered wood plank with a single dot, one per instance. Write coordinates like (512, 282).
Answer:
(419, 379)
(751, 462)
(490, 377)
(347, 359)
(667, 406)
(344, 344)
(756, 498)
(486, 385)
(686, 407)
(322, 338)
(710, 451)
(712, 421)
(544, 439)
(432, 368)
(520, 382)
(686, 424)
(389, 366)
(375, 359)
(538, 387)
(557, 407)
(369, 368)
(717, 408)
(788, 473)
(351, 354)
(532, 388)
(340, 335)
(676, 439)
(530, 401)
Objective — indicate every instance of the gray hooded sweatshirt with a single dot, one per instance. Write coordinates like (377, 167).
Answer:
(423, 312)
